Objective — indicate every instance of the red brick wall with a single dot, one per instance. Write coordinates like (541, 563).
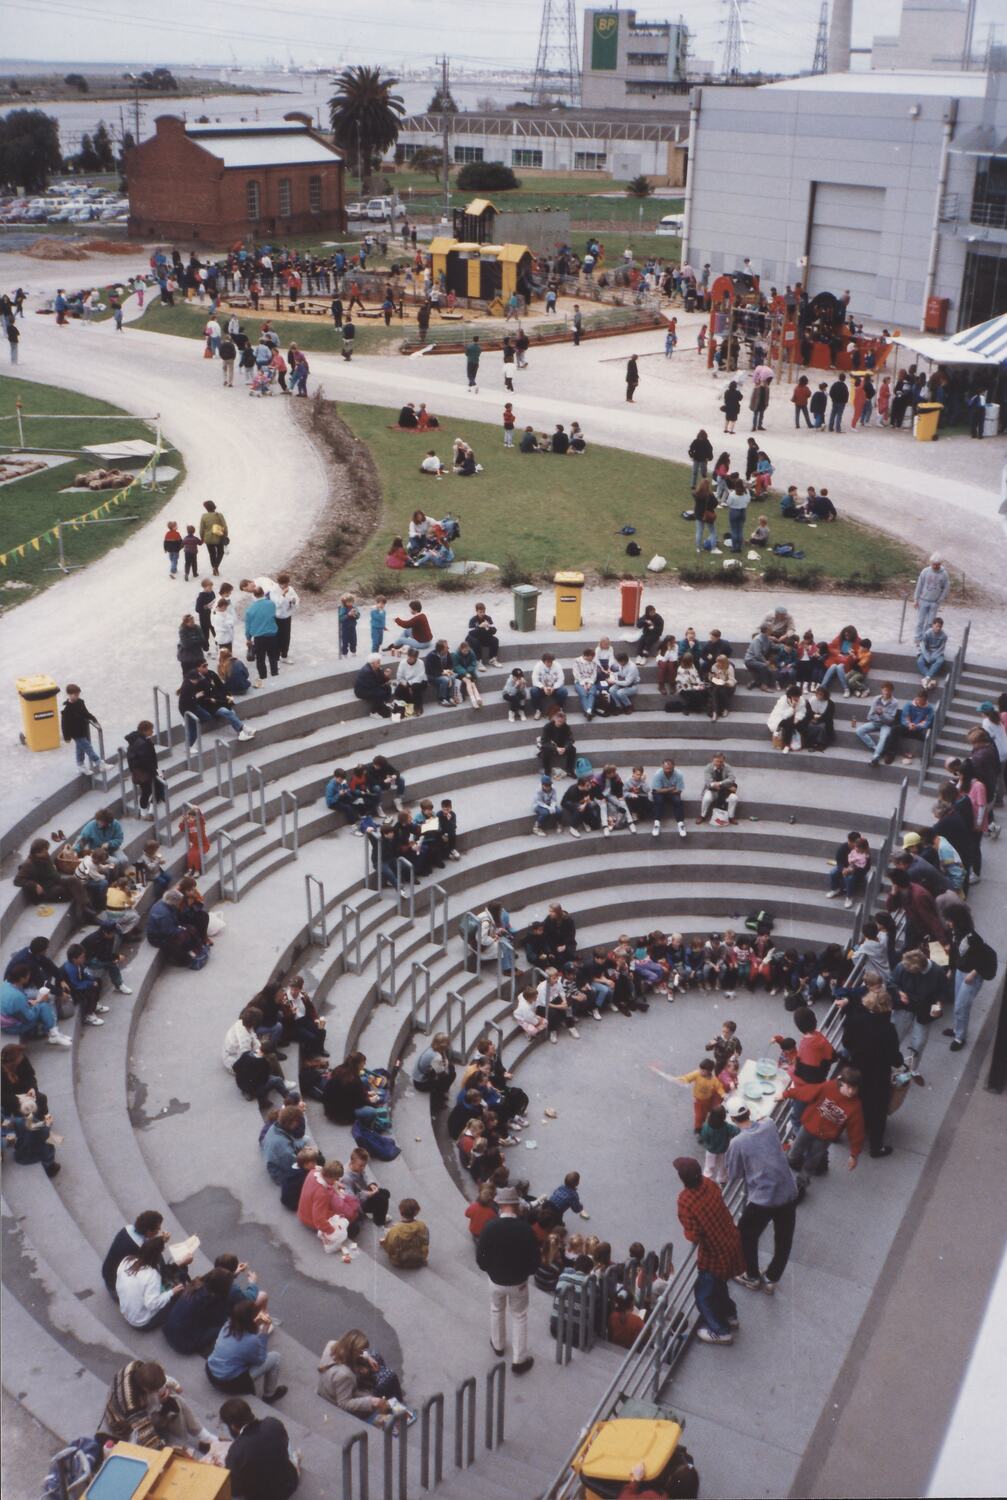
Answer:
(178, 190)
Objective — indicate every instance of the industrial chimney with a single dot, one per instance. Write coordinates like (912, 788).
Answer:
(840, 36)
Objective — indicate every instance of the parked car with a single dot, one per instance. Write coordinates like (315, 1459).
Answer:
(672, 224)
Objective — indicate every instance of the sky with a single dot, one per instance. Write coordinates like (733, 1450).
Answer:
(475, 33)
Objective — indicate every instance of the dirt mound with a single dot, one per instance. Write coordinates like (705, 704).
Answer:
(108, 247)
(55, 249)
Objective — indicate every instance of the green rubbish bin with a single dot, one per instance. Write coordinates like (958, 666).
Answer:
(525, 606)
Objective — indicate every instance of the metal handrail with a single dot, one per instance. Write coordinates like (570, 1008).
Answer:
(396, 1466)
(496, 1392)
(488, 1028)
(406, 872)
(288, 801)
(384, 953)
(451, 1000)
(197, 742)
(357, 1441)
(129, 792)
(576, 1308)
(419, 969)
(439, 896)
(465, 1423)
(666, 1333)
(317, 927)
(256, 772)
(352, 959)
(162, 809)
(225, 777)
(372, 859)
(168, 731)
(224, 842)
(506, 979)
(433, 1404)
(941, 713)
(104, 762)
(473, 945)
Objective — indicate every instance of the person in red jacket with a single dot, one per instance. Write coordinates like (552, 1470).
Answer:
(830, 1109)
(323, 1195)
(815, 1055)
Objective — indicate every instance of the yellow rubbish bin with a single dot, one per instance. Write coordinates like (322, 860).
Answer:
(927, 416)
(569, 600)
(38, 712)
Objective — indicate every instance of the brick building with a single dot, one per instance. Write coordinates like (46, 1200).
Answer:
(213, 184)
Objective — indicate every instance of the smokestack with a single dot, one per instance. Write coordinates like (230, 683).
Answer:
(840, 36)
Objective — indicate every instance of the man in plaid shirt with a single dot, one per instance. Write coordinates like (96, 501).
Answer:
(707, 1222)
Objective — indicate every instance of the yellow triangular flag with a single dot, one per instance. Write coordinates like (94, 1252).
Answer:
(3, 559)
(35, 543)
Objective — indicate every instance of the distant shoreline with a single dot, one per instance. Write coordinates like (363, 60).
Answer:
(47, 88)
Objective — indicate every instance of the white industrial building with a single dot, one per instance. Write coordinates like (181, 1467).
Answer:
(631, 64)
(892, 185)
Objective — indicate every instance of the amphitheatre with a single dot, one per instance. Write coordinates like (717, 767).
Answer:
(845, 1382)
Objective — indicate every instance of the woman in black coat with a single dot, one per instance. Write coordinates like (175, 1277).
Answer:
(651, 628)
(347, 1091)
(17, 1076)
(872, 1045)
(731, 406)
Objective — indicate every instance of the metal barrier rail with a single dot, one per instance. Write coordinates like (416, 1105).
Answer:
(451, 1000)
(372, 860)
(256, 773)
(396, 1460)
(434, 1403)
(167, 731)
(439, 898)
(496, 1399)
(465, 1423)
(576, 1308)
(406, 873)
(105, 767)
(129, 792)
(193, 750)
(487, 1029)
(288, 803)
(873, 883)
(162, 812)
(317, 927)
(941, 713)
(471, 940)
(225, 843)
(506, 978)
(647, 1366)
(415, 1002)
(224, 775)
(361, 1490)
(384, 953)
(349, 916)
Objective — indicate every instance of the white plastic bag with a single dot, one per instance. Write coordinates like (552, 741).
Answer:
(215, 924)
(657, 563)
(336, 1238)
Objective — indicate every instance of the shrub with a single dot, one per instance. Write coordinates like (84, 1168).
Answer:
(607, 573)
(486, 177)
(797, 577)
(513, 572)
(456, 583)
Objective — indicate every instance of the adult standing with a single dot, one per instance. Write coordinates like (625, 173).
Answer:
(707, 1223)
(701, 453)
(578, 323)
(758, 403)
(508, 1252)
(13, 339)
(473, 354)
(756, 1158)
(213, 532)
(872, 1045)
(286, 599)
(262, 630)
(972, 962)
(839, 395)
(633, 380)
(932, 588)
(228, 354)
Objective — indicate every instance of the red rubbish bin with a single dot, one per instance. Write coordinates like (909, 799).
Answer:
(630, 601)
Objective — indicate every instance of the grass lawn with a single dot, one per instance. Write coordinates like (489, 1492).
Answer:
(188, 321)
(31, 506)
(534, 514)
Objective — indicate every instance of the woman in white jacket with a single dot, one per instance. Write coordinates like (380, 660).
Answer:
(784, 723)
(525, 1014)
(143, 1300)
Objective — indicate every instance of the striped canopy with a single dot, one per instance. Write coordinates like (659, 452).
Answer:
(985, 344)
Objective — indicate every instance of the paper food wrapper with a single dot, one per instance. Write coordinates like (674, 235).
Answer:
(183, 1253)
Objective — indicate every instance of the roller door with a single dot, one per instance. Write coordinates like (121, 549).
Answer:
(846, 242)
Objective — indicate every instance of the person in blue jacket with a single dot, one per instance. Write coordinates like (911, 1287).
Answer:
(104, 831)
(24, 1018)
(262, 630)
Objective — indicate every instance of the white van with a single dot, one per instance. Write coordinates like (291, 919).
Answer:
(672, 224)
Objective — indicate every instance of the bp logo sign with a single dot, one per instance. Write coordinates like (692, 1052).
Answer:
(605, 41)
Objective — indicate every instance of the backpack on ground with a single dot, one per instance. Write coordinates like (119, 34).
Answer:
(632, 549)
(583, 767)
(760, 921)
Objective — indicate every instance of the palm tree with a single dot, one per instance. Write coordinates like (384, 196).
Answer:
(365, 115)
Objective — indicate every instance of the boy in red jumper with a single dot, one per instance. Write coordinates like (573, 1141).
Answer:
(830, 1108)
(815, 1056)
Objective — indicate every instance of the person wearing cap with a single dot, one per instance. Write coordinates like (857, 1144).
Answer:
(921, 871)
(756, 1158)
(707, 1223)
(508, 1252)
(932, 588)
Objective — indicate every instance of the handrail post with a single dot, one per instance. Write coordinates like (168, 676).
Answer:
(451, 1000)
(404, 869)
(288, 800)
(396, 1467)
(372, 860)
(506, 978)
(439, 895)
(496, 1393)
(128, 789)
(191, 722)
(564, 1325)
(385, 961)
(473, 944)
(250, 772)
(465, 1423)
(225, 776)
(104, 762)
(318, 931)
(350, 916)
(162, 809)
(224, 840)
(433, 1404)
(419, 969)
(164, 746)
(357, 1441)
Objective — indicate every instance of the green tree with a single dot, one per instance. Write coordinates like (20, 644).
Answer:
(29, 150)
(486, 177)
(87, 157)
(77, 81)
(443, 103)
(365, 115)
(103, 150)
(639, 187)
(427, 159)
